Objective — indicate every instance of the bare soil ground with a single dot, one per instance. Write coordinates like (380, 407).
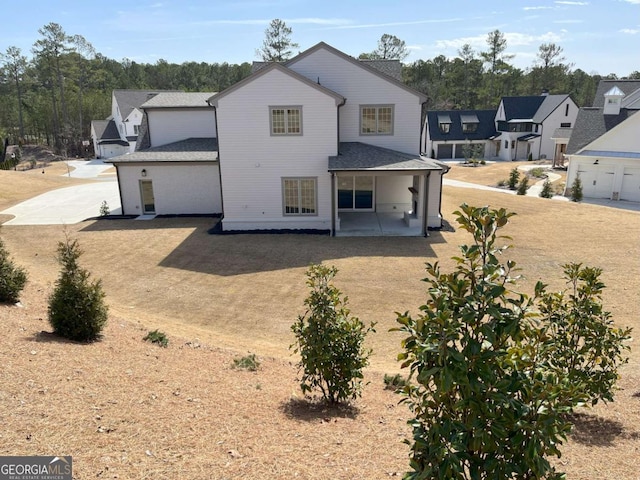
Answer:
(128, 409)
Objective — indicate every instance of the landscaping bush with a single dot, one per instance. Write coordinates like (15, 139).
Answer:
(491, 381)
(77, 309)
(249, 362)
(537, 172)
(524, 185)
(514, 176)
(157, 337)
(12, 278)
(394, 382)
(576, 189)
(104, 209)
(330, 341)
(547, 190)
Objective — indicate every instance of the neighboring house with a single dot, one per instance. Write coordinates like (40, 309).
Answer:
(530, 125)
(118, 134)
(604, 148)
(447, 132)
(297, 145)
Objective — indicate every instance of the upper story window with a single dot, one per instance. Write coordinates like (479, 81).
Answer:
(469, 127)
(566, 110)
(136, 129)
(565, 125)
(376, 120)
(285, 120)
(444, 123)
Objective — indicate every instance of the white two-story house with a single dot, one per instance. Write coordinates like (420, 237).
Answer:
(312, 144)
(118, 134)
(530, 126)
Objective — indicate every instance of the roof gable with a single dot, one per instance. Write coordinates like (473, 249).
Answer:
(213, 100)
(179, 100)
(105, 130)
(591, 124)
(127, 100)
(548, 106)
(628, 87)
(367, 66)
(521, 108)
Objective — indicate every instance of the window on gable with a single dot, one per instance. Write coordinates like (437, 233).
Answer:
(565, 125)
(376, 120)
(299, 196)
(566, 110)
(136, 129)
(286, 120)
(469, 127)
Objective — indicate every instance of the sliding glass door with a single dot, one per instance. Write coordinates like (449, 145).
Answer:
(355, 193)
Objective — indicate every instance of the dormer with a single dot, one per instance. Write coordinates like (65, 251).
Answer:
(612, 101)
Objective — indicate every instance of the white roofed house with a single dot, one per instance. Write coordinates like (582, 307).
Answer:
(322, 143)
(604, 149)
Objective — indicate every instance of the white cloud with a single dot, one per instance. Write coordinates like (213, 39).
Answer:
(567, 21)
(400, 24)
(633, 2)
(537, 8)
(582, 4)
(630, 31)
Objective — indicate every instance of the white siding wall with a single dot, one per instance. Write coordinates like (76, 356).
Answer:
(392, 193)
(172, 125)
(623, 138)
(545, 145)
(360, 87)
(111, 150)
(178, 188)
(253, 162)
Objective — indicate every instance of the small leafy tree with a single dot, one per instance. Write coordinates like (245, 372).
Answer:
(514, 176)
(523, 186)
(330, 341)
(547, 190)
(12, 277)
(77, 309)
(491, 381)
(104, 209)
(585, 346)
(576, 189)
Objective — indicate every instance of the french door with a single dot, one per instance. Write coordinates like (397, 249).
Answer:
(355, 192)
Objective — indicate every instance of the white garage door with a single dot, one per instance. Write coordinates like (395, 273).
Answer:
(597, 182)
(630, 185)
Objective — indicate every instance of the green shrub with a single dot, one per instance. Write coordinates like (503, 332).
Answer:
(494, 373)
(514, 176)
(158, 337)
(77, 309)
(537, 172)
(502, 183)
(547, 190)
(330, 341)
(524, 185)
(394, 382)
(12, 278)
(576, 189)
(249, 362)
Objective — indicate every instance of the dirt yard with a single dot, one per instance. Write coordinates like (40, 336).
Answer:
(128, 409)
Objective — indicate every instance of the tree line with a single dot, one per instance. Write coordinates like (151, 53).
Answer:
(52, 96)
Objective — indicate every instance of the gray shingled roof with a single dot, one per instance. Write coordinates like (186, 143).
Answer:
(127, 100)
(362, 156)
(627, 86)
(179, 100)
(562, 133)
(189, 150)
(591, 123)
(393, 68)
(107, 133)
(550, 103)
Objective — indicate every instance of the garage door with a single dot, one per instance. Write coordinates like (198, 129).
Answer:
(597, 182)
(630, 185)
(445, 151)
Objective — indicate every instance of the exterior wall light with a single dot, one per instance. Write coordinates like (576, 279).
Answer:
(143, 172)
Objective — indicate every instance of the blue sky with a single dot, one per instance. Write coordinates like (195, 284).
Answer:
(597, 36)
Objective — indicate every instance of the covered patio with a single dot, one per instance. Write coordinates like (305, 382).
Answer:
(383, 192)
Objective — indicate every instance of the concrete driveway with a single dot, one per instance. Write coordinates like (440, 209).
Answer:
(71, 205)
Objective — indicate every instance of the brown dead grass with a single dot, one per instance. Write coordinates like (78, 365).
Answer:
(126, 408)
(492, 173)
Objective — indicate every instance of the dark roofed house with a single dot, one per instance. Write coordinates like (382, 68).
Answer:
(604, 148)
(447, 132)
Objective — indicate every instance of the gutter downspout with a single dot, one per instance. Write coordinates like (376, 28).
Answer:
(425, 216)
(444, 172)
(334, 211)
(215, 117)
(541, 137)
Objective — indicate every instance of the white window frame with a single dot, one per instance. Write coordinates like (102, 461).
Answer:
(299, 195)
(286, 112)
(377, 109)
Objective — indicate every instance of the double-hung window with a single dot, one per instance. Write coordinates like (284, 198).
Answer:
(376, 120)
(299, 196)
(285, 120)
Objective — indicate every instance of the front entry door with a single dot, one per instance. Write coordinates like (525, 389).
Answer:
(355, 193)
(148, 201)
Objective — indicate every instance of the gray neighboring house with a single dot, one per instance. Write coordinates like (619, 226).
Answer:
(604, 148)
